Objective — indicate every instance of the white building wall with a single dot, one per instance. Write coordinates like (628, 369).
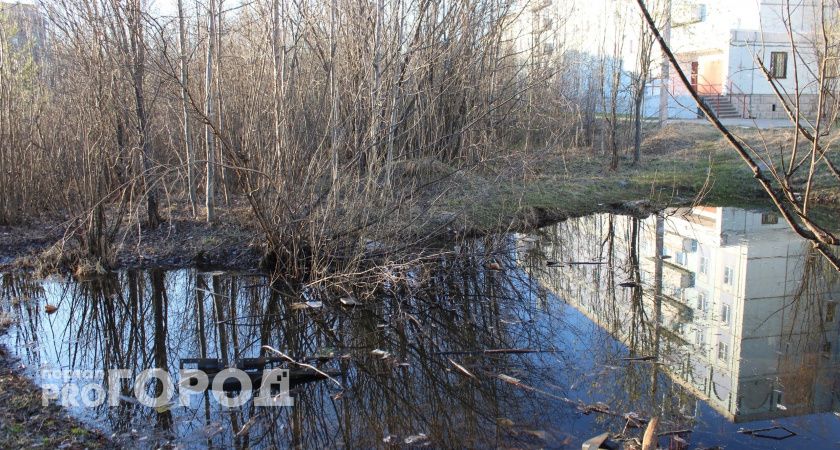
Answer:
(711, 33)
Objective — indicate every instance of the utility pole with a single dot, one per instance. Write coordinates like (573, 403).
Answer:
(666, 67)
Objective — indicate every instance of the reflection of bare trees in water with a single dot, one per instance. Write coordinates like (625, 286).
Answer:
(447, 308)
(422, 321)
(412, 357)
(806, 338)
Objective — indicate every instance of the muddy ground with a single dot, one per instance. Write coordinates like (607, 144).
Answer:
(25, 423)
(181, 240)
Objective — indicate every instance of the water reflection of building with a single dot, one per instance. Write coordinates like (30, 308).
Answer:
(746, 313)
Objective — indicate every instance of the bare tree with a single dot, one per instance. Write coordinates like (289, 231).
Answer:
(641, 76)
(185, 82)
(134, 17)
(209, 113)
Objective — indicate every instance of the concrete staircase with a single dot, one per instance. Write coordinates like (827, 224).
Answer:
(722, 106)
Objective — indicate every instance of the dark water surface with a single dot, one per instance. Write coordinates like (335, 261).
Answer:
(735, 328)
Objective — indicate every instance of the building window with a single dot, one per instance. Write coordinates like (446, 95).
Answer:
(723, 351)
(548, 48)
(704, 265)
(769, 219)
(728, 276)
(681, 258)
(778, 64)
(702, 301)
(700, 338)
(725, 313)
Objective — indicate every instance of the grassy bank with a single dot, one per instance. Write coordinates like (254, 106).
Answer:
(682, 165)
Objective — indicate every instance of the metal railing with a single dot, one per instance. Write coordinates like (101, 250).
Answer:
(719, 91)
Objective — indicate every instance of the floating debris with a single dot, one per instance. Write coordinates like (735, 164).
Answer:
(462, 369)
(493, 265)
(598, 407)
(602, 441)
(247, 427)
(381, 353)
(650, 440)
(539, 434)
(305, 305)
(417, 439)
(639, 358)
(213, 273)
(211, 429)
(504, 422)
(349, 301)
(633, 420)
(766, 432)
(497, 351)
(679, 440)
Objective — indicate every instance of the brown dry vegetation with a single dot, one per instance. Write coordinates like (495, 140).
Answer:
(521, 191)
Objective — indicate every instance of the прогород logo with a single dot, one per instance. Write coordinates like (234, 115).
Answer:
(155, 388)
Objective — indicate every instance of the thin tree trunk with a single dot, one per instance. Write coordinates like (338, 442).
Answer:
(333, 94)
(276, 53)
(182, 50)
(637, 129)
(210, 197)
(395, 94)
(220, 156)
(666, 68)
(138, 76)
(376, 90)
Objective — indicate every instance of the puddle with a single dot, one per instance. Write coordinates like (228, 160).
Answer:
(734, 329)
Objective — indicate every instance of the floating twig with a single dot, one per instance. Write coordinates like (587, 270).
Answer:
(497, 351)
(462, 369)
(287, 357)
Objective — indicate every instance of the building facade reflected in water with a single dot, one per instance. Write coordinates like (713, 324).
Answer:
(745, 315)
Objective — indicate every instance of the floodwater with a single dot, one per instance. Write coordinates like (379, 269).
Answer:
(585, 330)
